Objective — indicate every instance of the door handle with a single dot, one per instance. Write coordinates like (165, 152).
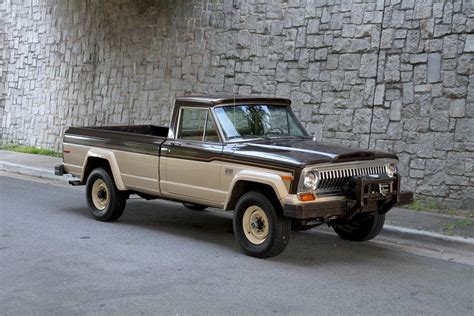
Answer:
(175, 144)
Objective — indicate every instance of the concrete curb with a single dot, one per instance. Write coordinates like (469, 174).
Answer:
(428, 234)
(31, 171)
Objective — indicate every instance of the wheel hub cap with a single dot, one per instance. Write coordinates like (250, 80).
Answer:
(255, 224)
(100, 196)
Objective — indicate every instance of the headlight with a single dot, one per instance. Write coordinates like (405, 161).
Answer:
(391, 169)
(311, 180)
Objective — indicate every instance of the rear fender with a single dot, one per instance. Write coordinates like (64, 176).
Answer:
(110, 157)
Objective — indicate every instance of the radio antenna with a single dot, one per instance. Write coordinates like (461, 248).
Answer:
(233, 116)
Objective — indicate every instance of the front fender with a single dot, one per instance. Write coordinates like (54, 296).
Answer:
(273, 180)
(110, 157)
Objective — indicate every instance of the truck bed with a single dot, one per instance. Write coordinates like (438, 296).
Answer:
(136, 149)
(116, 137)
(152, 130)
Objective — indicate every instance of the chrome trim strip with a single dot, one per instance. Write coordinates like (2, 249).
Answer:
(296, 149)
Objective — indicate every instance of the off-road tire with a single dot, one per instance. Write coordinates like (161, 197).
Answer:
(194, 207)
(279, 227)
(115, 200)
(362, 228)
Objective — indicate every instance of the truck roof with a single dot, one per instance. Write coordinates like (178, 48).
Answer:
(212, 100)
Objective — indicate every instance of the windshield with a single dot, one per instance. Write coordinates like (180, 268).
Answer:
(258, 120)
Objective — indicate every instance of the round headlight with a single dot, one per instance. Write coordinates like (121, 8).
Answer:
(311, 180)
(391, 169)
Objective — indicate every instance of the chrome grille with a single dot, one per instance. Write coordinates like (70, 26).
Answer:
(335, 179)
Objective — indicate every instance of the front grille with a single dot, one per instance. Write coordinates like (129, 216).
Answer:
(334, 180)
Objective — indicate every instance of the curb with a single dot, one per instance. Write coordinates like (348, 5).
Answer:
(431, 235)
(30, 171)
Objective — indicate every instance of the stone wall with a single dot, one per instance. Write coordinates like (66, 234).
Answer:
(392, 75)
(2, 65)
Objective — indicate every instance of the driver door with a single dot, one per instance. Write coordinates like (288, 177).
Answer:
(194, 157)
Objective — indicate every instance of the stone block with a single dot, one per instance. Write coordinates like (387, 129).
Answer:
(418, 58)
(332, 61)
(392, 94)
(456, 180)
(438, 10)
(417, 163)
(395, 110)
(465, 64)
(456, 163)
(394, 131)
(379, 94)
(457, 108)
(407, 4)
(368, 65)
(387, 38)
(423, 88)
(313, 26)
(380, 120)
(361, 120)
(345, 121)
(348, 30)
(450, 46)
(373, 17)
(392, 69)
(444, 141)
(346, 5)
(439, 121)
(425, 145)
(321, 54)
(349, 61)
(469, 44)
(434, 68)
(417, 174)
(464, 130)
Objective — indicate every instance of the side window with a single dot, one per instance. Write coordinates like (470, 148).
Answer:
(194, 122)
(211, 131)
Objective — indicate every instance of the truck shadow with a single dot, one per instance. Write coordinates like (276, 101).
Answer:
(307, 248)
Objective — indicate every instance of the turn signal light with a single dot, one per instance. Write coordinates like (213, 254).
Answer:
(306, 197)
(287, 178)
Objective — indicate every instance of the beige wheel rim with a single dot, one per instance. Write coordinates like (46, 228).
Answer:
(100, 194)
(255, 225)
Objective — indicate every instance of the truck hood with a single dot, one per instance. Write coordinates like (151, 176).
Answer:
(303, 151)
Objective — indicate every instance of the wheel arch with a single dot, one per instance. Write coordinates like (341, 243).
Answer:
(271, 185)
(96, 158)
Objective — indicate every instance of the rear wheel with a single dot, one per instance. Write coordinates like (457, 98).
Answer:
(258, 228)
(362, 228)
(106, 203)
(194, 207)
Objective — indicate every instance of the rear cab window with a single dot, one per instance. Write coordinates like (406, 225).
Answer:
(197, 124)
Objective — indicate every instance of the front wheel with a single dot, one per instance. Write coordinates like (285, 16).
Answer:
(106, 203)
(362, 228)
(258, 228)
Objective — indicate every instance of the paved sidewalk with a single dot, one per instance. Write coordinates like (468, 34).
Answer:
(29, 164)
(399, 220)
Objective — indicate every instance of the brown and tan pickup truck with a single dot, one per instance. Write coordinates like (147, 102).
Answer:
(249, 155)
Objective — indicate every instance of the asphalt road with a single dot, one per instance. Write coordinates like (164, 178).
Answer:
(160, 258)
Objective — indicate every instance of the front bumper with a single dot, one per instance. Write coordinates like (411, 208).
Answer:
(359, 197)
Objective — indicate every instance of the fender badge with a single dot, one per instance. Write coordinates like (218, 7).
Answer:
(228, 171)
